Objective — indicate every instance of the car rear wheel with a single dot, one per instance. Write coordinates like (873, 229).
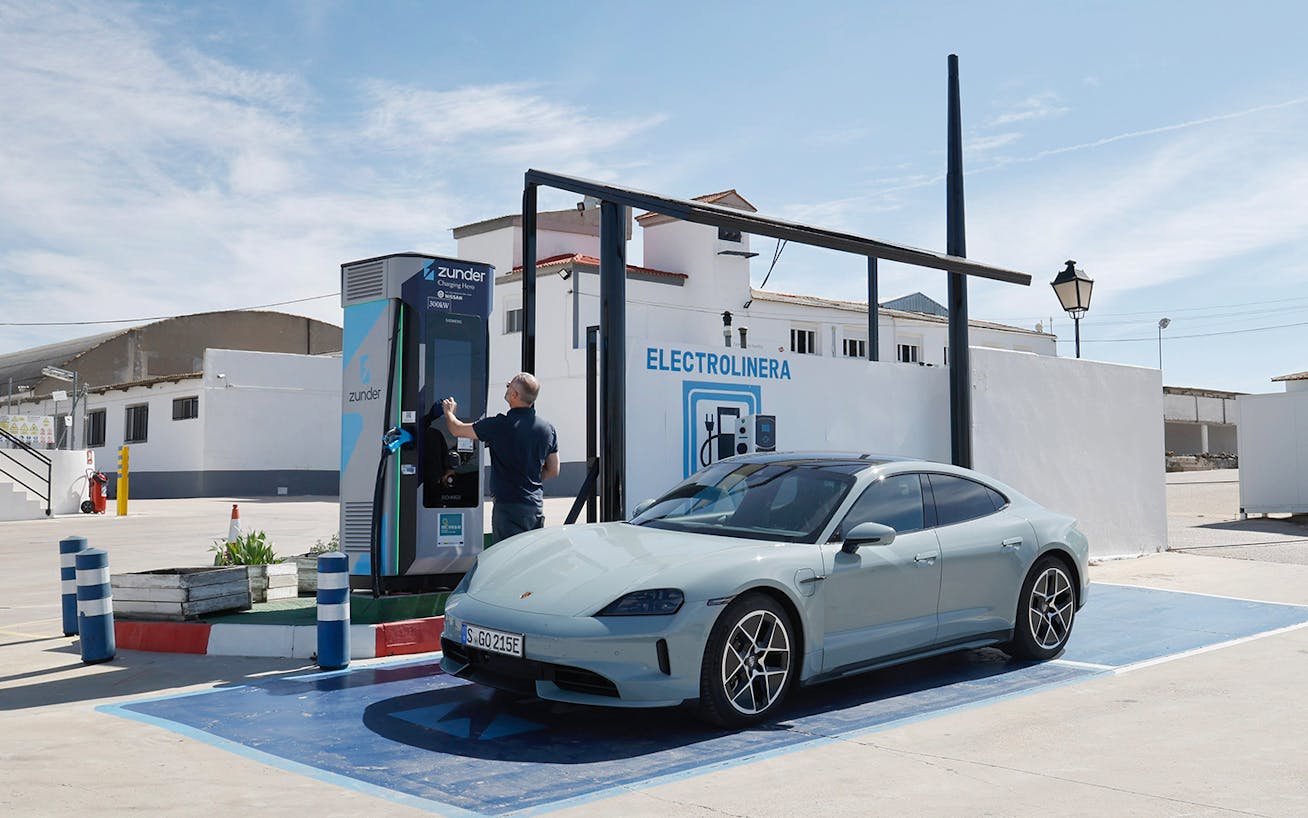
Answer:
(748, 663)
(1045, 611)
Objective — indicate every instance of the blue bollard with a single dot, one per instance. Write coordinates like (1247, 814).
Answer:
(95, 606)
(333, 611)
(68, 549)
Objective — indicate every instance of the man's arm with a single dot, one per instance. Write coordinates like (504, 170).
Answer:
(457, 427)
(551, 467)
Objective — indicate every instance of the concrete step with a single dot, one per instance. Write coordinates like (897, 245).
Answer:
(17, 503)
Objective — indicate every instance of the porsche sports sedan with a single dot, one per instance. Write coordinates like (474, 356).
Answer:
(766, 571)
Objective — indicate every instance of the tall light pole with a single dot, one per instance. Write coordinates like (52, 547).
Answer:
(1073, 286)
(1162, 325)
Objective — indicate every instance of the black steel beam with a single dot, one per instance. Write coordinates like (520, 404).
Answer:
(613, 359)
(528, 278)
(873, 312)
(960, 367)
(717, 215)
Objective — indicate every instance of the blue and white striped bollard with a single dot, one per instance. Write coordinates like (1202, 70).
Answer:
(95, 606)
(333, 611)
(68, 549)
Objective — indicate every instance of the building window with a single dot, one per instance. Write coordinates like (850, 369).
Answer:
(855, 348)
(909, 353)
(725, 234)
(513, 320)
(94, 428)
(138, 422)
(803, 341)
(186, 408)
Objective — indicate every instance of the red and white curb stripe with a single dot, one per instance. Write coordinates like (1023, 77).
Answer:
(278, 641)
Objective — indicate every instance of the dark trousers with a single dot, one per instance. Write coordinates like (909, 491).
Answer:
(508, 519)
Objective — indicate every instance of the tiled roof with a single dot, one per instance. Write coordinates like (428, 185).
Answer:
(710, 198)
(1293, 376)
(591, 261)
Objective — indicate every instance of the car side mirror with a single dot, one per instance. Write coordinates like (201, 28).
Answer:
(642, 507)
(867, 534)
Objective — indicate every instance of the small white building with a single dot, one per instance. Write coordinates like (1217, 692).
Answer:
(1274, 449)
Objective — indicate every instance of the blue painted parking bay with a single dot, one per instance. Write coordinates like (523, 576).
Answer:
(407, 732)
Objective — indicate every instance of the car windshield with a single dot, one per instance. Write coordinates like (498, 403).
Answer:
(787, 502)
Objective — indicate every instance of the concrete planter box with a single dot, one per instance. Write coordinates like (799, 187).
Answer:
(180, 593)
(272, 582)
(308, 573)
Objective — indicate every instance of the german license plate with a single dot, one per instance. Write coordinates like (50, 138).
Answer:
(509, 644)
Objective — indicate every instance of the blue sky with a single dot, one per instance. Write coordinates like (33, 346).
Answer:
(166, 158)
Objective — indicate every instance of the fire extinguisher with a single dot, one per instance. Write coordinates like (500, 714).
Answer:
(98, 501)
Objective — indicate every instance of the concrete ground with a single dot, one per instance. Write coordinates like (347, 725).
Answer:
(1217, 732)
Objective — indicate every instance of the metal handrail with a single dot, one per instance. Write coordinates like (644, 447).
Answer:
(49, 472)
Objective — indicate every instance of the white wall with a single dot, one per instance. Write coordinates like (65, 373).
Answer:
(271, 411)
(1081, 437)
(1274, 453)
(1108, 474)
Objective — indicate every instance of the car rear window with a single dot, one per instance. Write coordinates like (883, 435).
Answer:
(959, 499)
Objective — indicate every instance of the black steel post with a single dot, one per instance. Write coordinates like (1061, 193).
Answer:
(613, 359)
(960, 370)
(592, 415)
(873, 312)
(1077, 323)
(528, 278)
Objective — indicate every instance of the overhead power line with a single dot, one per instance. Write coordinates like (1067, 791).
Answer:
(156, 317)
(1178, 337)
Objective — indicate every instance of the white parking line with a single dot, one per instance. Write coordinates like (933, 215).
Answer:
(1085, 665)
(1195, 652)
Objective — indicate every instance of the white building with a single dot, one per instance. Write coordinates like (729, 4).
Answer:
(691, 275)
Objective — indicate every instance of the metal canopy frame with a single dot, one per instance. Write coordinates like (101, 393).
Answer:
(613, 281)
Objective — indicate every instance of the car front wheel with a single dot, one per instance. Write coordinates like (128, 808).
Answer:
(748, 663)
(1045, 611)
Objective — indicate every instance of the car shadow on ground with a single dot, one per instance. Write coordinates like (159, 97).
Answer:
(529, 730)
(1295, 525)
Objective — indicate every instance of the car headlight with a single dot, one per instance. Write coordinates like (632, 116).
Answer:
(658, 602)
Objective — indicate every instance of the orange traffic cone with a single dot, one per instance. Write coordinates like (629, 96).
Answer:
(234, 529)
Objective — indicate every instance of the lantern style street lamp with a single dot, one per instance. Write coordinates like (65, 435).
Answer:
(1073, 286)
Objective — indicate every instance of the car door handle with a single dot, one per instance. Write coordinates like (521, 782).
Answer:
(927, 558)
(1011, 542)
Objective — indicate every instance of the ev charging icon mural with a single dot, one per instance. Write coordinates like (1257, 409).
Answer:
(701, 400)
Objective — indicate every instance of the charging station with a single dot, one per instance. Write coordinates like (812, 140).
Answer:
(411, 493)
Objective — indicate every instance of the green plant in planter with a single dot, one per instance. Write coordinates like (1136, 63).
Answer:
(249, 549)
(333, 543)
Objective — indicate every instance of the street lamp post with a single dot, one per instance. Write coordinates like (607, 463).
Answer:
(1163, 323)
(1073, 286)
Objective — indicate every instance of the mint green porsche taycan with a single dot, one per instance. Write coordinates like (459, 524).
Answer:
(766, 571)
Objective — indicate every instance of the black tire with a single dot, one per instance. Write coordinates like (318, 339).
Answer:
(1046, 609)
(88, 507)
(750, 662)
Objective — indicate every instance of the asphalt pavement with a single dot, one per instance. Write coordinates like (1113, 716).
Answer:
(1216, 731)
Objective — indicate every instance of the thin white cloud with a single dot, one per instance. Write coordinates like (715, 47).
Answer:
(1037, 106)
(144, 177)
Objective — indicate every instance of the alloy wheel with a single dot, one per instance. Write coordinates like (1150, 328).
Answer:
(756, 662)
(1051, 608)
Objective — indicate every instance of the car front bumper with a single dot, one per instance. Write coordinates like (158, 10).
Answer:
(615, 661)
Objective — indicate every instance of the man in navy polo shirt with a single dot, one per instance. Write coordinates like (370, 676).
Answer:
(524, 451)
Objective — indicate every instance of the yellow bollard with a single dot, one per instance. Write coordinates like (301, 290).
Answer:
(123, 457)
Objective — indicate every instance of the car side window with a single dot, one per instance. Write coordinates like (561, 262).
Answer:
(895, 501)
(958, 499)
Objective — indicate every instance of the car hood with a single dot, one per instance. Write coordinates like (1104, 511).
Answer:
(577, 570)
